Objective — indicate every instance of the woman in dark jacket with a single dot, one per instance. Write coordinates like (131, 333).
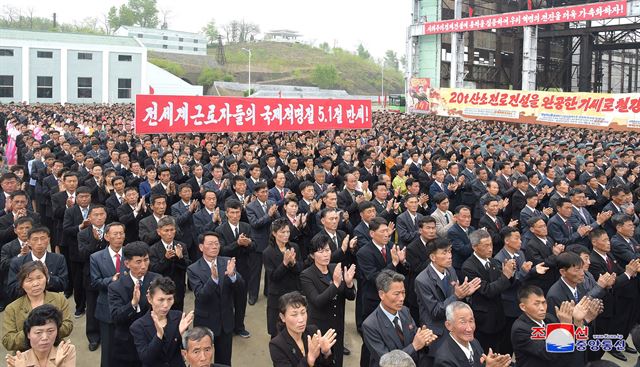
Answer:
(326, 287)
(283, 265)
(299, 344)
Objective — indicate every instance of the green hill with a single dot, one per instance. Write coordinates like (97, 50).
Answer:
(292, 64)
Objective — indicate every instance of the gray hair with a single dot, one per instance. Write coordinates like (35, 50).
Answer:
(396, 358)
(318, 171)
(453, 307)
(386, 277)
(195, 335)
(166, 221)
(476, 236)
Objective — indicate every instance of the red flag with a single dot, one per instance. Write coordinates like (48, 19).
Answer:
(470, 12)
(151, 91)
(529, 5)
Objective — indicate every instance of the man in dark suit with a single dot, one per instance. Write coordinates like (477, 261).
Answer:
(390, 325)
(75, 219)
(371, 260)
(106, 266)
(349, 198)
(518, 200)
(11, 250)
(18, 201)
(128, 302)
(198, 351)
(131, 213)
(618, 196)
(532, 352)
(495, 278)
(212, 279)
(493, 223)
(458, 235)
(561, 230)
(196, 181)
(91, 239)
(148, 226)
(261, 212)
(170, 258)
(39, 240)
(580, 216)
(61, 201)
(458, 347)
(236, 242)
(183, 212)
(166, 187)
(406, 223)
(530, 211)
(541, 249)
(268, 172)
(279, 191)
(624, 247)
(340, 249)
(384, 208)
(504, 181)
(50, 185)
(418, 250)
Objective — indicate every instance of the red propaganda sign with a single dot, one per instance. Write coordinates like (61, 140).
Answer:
(575, 13)
(159, 114)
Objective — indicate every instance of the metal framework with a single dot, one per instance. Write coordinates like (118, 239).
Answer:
(600, 56)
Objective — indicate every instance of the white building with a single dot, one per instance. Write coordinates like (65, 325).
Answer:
(164, 40)
(53, 67)
(282, 35)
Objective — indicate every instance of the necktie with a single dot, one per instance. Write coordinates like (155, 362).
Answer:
(609, 264)
(118, 264)
(575, 296)
(99, 230)
(384, 253)
(335, 240)
(85, 212)
(470, 357)
(584, 217)
(446, 217)
(236, 233)
(281, 194)
(487, 266)
(396, 324)
(264, 207)
(446, 286)
(498, 224)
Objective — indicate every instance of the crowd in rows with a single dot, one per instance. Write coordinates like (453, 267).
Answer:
(456, 239)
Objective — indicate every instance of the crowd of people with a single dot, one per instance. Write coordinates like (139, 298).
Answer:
(457, 240)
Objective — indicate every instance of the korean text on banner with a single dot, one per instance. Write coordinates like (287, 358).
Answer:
(158, 114)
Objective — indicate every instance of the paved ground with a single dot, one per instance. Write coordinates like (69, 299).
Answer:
(253, 352)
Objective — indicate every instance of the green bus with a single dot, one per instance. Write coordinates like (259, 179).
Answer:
(397, 103)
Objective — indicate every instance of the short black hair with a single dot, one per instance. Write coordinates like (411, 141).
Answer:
(568, 260)
(204, 235)
(319, 242)
(165, 284)
(525, 291)
(40, 316)
(376, 223)
(437, 244)
(137, 248)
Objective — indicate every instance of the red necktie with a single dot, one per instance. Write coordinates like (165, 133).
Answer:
(384, 253)
(282, 194)
(609, 264)
(117, 263)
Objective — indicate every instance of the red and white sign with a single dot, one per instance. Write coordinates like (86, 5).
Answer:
(575, 13)
(158, 114)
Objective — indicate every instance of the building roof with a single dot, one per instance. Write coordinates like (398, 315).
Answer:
(135, 29)
(67, 37)
(283, 31)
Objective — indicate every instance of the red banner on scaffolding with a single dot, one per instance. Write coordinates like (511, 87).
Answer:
(575, 13)
(160, 114)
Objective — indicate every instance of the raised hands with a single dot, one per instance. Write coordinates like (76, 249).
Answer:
(337, 275)
(185, 322)
(289, 258)
(398, 256)
(231, 267)
(423, 338)
(348, 274)
(158, 325)
(467, 288)
(135, 299)
(495, 359)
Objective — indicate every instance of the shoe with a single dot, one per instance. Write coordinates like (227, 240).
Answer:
(619, 355)
(78, 314)
(243, 333)
(252, 301)
(346, 351)
(630, 349)
(93, 346)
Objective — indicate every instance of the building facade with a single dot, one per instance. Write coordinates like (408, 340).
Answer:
(164, 40)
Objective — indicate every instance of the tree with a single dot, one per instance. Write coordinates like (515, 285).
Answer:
(231, 31)
(248, 31)
(145, 12)
(362, 52)
(325, 76)
(324, 46)
(211, 31)
(403, 62)
(208, 76)
(391, 60)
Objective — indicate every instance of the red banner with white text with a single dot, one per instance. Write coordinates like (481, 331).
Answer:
(574, 13)
(159, 114)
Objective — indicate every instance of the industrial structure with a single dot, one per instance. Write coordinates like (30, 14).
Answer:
(598, 56)
(166, 40)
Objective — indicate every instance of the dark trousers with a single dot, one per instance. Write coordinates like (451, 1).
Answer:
(79, 291)
(223, 344)
(505, 344)
(367, 308)
(93, 326)
(239, 304)
(489, 340)
(255, 271)
(106, 336)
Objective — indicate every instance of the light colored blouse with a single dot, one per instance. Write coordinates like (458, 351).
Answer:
(30, 359)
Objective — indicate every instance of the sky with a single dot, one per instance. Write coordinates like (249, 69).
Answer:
(378, 25)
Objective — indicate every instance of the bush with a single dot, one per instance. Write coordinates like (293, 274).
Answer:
(325, 76)
(208, 76)
(172, 67)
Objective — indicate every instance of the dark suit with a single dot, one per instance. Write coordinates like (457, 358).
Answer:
(381, 210)
(70, 227)
(493, 227)
(530, 352)
(261, 223)
(516, 204)
(282, 279)
(277, 197)
(59, 204)
(450, 355)
(174, 268)
(433, 297)
(56, 266)
(148, 230)
(214, 303)
(417, 252)
(407, 228)
(578, 220)
(347, 202)
(561, 231)
(624, 251)
(123, 315)
(152, 351)
(126, 216)
(112, 204)
(460, 245)
(285, 352)
(537, 252)
(380, 336)
(87, 246)
(159, 190)
(486, 302)
(322, 296)
(184, 221)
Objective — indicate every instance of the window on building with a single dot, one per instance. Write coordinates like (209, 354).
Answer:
(124, 57)
(85, 56)
(180, 39)
(45, 54)
(179, 47)
(139, 35)
(45, 87)
(165, 38)
(84, 87)
(6, 86)
(124, 88)
(195, 41)
(6, 52)
(195, 49)
(164, 46)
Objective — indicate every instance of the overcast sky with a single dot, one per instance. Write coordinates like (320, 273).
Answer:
(379, 25)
